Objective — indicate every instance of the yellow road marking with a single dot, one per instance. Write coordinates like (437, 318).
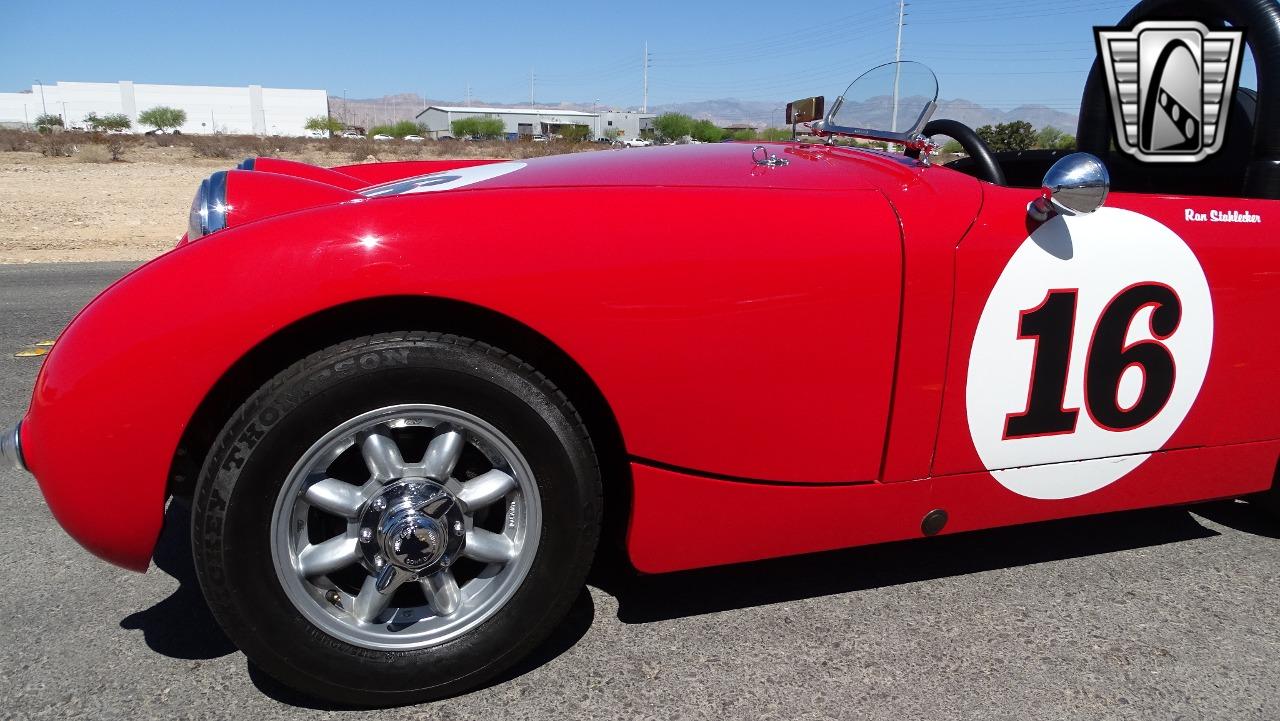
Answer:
(31, 353)
(44, 343)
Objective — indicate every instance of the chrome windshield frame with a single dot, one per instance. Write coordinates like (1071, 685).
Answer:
(910, 138)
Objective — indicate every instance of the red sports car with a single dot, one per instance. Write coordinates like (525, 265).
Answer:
(408, 400)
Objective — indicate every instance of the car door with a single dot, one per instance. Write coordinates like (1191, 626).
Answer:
(1142, 327)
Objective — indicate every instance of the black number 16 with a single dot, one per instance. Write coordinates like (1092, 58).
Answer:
(1052, 324)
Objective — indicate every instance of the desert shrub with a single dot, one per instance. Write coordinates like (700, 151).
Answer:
(162, 141)
(212, 146)
(14, 140)
(57, 145)
(93, 153)
(115, 146)
(263, 147)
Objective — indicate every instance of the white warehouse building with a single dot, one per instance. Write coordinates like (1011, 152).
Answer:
(250, 110)
(438, 121)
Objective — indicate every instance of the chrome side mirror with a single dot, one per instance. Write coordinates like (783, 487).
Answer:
(1076, 185)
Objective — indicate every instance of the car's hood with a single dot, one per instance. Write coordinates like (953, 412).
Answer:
(711, 165)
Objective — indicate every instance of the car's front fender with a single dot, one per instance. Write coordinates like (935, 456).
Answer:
(707, 324)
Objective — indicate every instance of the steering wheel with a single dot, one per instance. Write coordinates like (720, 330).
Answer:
(983, 160)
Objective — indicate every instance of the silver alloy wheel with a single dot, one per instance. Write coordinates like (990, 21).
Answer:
(406, 524)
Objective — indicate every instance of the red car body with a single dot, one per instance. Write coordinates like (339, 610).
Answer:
(771, 342)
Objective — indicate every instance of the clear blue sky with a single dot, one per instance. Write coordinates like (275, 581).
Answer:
(1000, 52)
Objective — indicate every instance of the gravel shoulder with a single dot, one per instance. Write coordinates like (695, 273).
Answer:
(63, 209)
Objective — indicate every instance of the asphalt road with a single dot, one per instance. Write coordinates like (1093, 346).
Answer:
(1155, 614)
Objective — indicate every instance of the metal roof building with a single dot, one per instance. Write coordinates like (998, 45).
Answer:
(438, 120)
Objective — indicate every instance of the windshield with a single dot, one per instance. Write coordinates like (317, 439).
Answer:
(894, 98)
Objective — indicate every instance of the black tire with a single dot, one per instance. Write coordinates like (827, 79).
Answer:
(244, 473)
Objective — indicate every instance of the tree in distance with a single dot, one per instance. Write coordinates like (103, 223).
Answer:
(115, 121)
(48, 121)
(324, 124)
(479, 127)
(163, 117)
(574, 133)
(706, 131)
(1016, 135)
(671, 127)
(1051, 138)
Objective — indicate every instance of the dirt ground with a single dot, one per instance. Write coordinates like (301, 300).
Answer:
(65, 209)
(87, 208)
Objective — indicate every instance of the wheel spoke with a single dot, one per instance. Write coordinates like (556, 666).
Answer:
(488, 547)
(321, 558)
(376, 593)
(382, 457)
(442, 592)
(485, 489)
(336, 497)
(442, 455)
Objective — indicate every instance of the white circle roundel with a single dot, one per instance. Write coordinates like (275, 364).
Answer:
(1093, 344)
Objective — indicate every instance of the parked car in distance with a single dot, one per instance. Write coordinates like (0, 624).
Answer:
(414, 138)
(383, 136)
(634, 142)
(539, 138)
(353, 136)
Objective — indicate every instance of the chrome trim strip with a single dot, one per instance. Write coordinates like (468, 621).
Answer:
(11, 448)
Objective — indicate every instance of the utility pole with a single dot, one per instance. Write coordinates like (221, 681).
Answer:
(43, 110)
(530, 87)
(644, 106)
(897, 58)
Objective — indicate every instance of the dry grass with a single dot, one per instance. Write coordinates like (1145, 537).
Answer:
(93, 153)
(228, 147)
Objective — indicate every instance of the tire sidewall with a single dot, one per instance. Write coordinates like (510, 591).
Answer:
(242, 479)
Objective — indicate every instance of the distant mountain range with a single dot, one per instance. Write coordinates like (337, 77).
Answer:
(368, 112)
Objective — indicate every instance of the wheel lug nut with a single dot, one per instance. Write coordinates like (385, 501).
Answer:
(366, 535)
(457, 528)
(444, 562)
(333, 597)
(379, 504)
(378, 562)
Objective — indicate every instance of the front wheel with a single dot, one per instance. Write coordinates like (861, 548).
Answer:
(397, 518)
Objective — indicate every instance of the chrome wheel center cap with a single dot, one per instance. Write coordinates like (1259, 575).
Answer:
(414, 542)
(415, 525)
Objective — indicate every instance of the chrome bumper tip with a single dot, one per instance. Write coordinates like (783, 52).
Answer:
(11, 448)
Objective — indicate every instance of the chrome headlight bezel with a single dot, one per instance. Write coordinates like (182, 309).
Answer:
(209, 207)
